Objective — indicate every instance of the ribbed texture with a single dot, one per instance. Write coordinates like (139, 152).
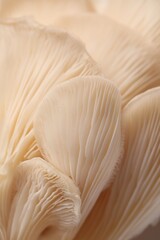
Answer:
(33, 60)
(80, 134)
(43, 203)
(132, 202)
(122, 55)
(142, 15)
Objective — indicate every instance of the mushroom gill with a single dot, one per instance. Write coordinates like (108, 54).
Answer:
(43, 203)
(52, 69)
(122, 55)
(143, 16)
(132, 202)
(79, 154)
(33, 60)
(80, 134)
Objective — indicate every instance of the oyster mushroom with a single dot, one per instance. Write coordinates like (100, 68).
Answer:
(122, 55)
(38, 72)
(48, 58)
(80, 134)
(45, 204)
(38, 59)
(132, 202)
(57, 169)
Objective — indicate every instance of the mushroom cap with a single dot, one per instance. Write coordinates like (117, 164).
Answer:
(121, 53)
(42, 202)
(33, 60)
(80, 134)
(132, 202)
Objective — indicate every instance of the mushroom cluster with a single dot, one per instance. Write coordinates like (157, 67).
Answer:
(79, 119)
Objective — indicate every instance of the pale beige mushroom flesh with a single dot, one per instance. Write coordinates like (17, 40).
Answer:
(42, 200)
(79, 119)
(132, 202)
(122, 55)
(80, 134)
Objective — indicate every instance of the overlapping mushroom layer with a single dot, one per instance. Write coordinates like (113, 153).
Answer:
(80, 131)
(132, 201)
(80, 134)
(122, 54)
(79, 137)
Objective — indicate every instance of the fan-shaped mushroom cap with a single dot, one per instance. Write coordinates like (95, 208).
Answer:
(42, 11)
(44, 203)
(142, 15)
(132, 203)
(33, 59)
(80, 134)
(122, 55)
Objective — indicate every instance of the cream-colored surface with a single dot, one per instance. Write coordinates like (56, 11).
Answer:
(61, 140)
(33, 60)
(122, 55)
(43, 11)
(132, 203)
(41, 203)
(143, 16)
(80, 134)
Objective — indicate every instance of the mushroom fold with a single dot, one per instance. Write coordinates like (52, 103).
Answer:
(122, 55)
(44, 203)
(80, 134)
(132, 202)
(33, 60)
